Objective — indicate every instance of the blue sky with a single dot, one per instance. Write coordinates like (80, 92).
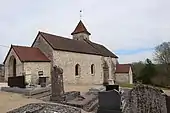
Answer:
(133, 51)
(129, 28)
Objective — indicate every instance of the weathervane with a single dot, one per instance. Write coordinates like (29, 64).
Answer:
(80, 14)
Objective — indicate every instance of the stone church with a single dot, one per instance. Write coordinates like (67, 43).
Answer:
(82, 61)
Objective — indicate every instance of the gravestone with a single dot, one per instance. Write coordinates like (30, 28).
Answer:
(111, 87)
(168, 103)
(145, 99)
(57, 84)
(109, 102)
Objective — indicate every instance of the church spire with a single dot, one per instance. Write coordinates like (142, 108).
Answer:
(80, 32)
(80, 28)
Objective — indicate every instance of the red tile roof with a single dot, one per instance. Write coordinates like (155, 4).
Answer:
(80, 28)
(123, 68)
(28, 54)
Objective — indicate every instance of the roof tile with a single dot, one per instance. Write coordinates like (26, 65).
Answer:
(66, 44)
(122, 68)
(29, 54)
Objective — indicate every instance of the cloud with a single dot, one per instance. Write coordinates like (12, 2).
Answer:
(126, 27)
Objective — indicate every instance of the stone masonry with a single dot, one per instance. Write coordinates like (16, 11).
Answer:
(68, 60)
(145, 99)
(57, 84)
(27, 68)
(18, 63)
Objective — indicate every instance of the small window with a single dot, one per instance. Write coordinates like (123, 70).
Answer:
(92, 69)
(77, 70)
(40, 73)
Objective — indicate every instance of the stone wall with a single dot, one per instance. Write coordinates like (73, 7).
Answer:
(80, 36)
(31, 70)
(8, 69)
(44, 47)
(124, 77)
(68, 60)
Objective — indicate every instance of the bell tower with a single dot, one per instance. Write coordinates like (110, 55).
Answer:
(80, 32)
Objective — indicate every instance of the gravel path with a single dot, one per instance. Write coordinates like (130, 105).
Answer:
(46, 108)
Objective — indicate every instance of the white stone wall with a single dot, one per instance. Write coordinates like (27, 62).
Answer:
(125, 77)
(19, 65)
(81, 36)
(44, 47)
(122, 77)
(68, 60)
(31, 70)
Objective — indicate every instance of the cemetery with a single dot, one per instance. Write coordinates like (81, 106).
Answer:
(102, 99)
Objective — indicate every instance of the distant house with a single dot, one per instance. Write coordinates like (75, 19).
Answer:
(124, 73)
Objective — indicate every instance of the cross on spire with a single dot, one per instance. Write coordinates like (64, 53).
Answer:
(80, 14)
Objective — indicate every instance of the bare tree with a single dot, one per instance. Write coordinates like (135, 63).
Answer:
(162, 54)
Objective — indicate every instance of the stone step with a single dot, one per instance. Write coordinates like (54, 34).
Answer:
(45, 98)
(93, 106)
(41, 95)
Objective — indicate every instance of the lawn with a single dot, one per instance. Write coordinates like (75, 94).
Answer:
(127, 85)
(132, 85)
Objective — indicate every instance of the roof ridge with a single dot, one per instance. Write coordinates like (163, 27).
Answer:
(58, 36)
(21, 46)
(89, 42)
(54, 35)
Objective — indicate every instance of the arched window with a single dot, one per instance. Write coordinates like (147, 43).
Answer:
(92, 69)
(12, 66)
(77, 70)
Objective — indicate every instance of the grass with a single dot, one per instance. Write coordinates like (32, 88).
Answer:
(127, 85)
(132, 85)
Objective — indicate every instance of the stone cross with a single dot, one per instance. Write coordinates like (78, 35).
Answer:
(145, 99)
(105, 71)
(57, 84)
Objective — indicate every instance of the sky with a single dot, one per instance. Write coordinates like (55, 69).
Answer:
(129, 28)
